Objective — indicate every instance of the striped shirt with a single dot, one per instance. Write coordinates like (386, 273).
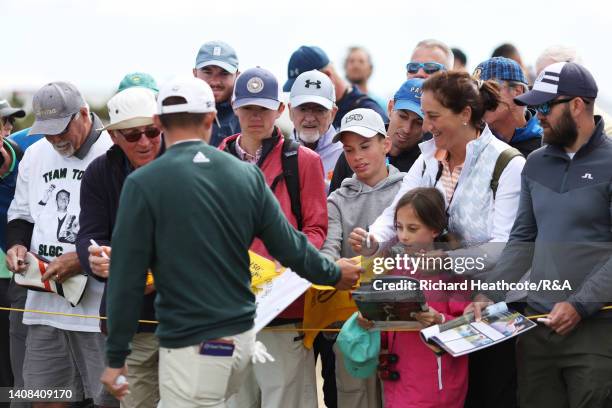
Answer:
(448, 178)
(245, 156)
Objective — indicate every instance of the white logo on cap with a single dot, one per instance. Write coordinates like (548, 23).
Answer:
(217, 51)
(47, 112)
(548, 80)
(255, 85)
(354, 116)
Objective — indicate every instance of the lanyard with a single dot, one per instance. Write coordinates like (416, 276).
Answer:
(438, 176)
(13, 159)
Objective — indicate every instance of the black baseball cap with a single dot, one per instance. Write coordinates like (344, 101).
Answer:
(560, 78)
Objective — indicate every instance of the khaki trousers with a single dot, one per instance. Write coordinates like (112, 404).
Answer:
(188, 379)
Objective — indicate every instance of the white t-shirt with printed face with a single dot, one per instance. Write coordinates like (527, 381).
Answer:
(48, 195)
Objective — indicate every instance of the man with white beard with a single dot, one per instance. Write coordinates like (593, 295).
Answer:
(62, 352)
(312, 110)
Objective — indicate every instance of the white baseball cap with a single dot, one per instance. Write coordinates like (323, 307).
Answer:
(130, 108)
(365, 122)
(313, 87)
(197, 94)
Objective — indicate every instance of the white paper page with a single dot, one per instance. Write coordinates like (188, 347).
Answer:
(277, 295)
(488, 331)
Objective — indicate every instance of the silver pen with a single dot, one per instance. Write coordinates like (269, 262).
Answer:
(96, 244)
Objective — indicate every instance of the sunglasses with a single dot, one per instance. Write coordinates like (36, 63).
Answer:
(428, 67)
(545, 108)
(386, 367)
(8, 119)
(135, 135)
(63, 132)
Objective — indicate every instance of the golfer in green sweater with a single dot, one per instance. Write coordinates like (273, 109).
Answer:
(190, 216)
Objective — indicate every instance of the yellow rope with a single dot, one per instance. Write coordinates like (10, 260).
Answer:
(271, 329)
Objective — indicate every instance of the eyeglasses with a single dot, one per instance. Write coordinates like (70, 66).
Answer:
(545, 108)
(428, 67)
(135, 135)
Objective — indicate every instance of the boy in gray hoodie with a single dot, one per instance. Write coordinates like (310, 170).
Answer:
(364, 196)
(358, 202)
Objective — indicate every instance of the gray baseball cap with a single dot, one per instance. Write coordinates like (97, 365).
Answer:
(365, 122)
(54, 105)
(219, 54)
(313, 87)
(6, 110)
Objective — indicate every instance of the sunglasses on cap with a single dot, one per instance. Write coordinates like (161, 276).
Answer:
(546, 107)
(134, 135)
(428, 67)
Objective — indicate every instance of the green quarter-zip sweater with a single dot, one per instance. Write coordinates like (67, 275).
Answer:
(191, 216)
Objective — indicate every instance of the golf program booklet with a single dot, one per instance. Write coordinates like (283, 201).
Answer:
(464, 335)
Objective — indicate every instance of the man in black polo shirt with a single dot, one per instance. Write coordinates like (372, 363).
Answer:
(137, 142)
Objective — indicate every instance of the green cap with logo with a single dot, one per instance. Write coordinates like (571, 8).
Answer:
(138, 79)
(359, 347)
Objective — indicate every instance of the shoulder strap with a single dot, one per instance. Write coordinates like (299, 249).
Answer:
(502, 161)
(438, 174)
(357, 102)
(289, 160)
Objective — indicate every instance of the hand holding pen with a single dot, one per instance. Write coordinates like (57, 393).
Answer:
(99, 259)
(363, 242)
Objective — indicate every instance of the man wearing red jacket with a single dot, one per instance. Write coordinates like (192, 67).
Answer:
(290, 381)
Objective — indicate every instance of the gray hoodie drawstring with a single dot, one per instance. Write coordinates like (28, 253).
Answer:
(439, 360)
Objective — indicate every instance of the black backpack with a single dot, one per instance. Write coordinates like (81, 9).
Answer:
(291, 175)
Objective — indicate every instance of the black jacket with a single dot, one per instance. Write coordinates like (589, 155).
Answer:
(353, 98)
(100, 189)
(225, 124)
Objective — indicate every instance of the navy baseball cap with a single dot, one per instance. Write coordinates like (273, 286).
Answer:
(305, 58)
(501, 68)
(219, 54)
(256, 86)
(560, 78)
(408, 97)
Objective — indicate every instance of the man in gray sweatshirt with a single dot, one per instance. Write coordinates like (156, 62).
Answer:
(562, 231)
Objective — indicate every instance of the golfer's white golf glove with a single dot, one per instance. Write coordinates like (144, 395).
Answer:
(260, 353)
